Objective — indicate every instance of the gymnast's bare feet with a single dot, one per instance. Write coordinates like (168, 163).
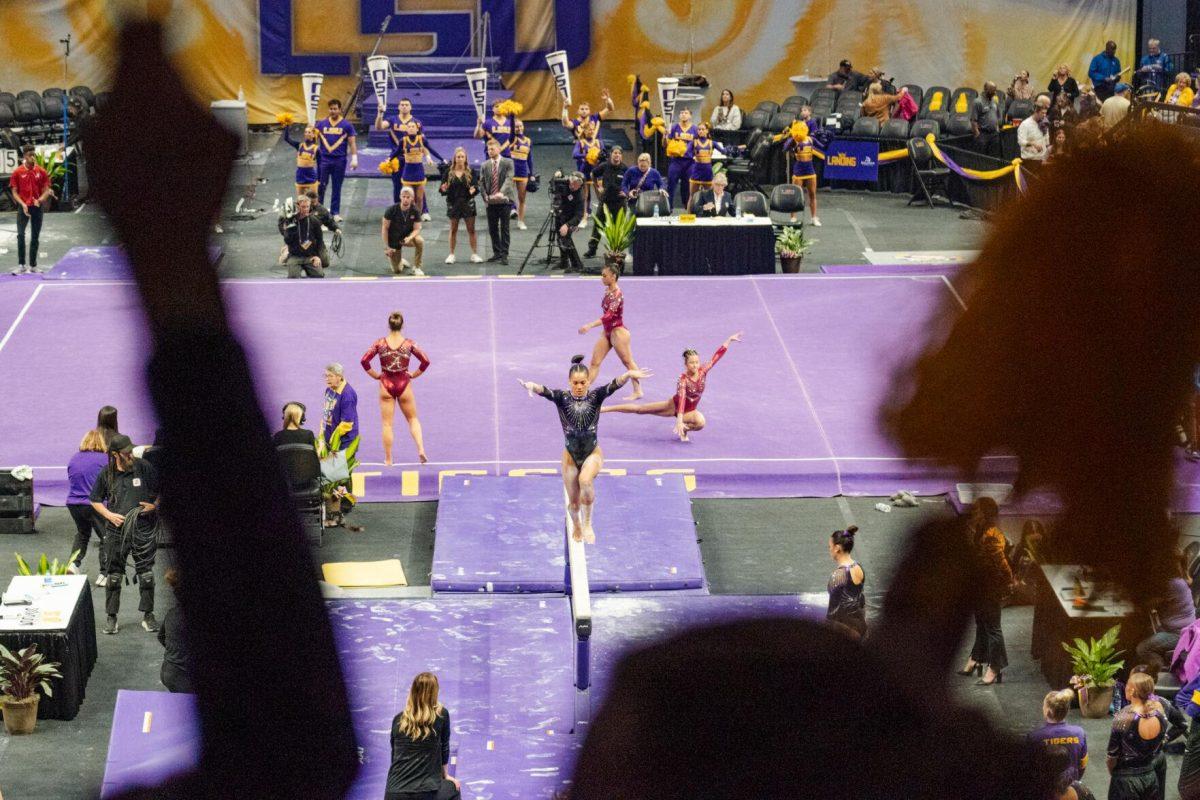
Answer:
(422, 457)
(589, 535)
(576, 531)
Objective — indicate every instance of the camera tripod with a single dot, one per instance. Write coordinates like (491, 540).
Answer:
(547, 226)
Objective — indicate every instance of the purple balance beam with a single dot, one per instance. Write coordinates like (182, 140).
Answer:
(155, 736)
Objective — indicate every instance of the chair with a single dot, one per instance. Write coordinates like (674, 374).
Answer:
(928, 177)
(923, 127)
(1018, 110)
(8, 99)
(647, 200)
(102, 100)
(32, 97)
(787, 198)
(849, 106)
(959, 125)
(962, 100)
(756, 119)
(751, 201)
(894, 128)
(85, 92)
(7, 118)
(53, 91)
(767, 105)
(302, 471)
(795, 102)
(916, 92)
(52, 110)
(780, 121)
(937, 99)
(27, 112)
(867, 127)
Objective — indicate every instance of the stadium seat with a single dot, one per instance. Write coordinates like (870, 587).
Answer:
(767, 105)
(787, 198)
(823, 102)
(923, 127)
(52, 110)
(849, 106)
(757, 120)
(85, 92)
(959, 125)
(751, 202)
(962, 100)
(936, 101)
(796, 102)
(32, 97)
(916, 92)
(929, 176)
(102, 100)
(53, 91)
(8, 99)
(647, 200)
(7, 117)
(865, 126)
(894, 128)
(780, 121)
(28, 113)
(1018, 110)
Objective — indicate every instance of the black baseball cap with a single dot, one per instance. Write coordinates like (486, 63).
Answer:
(120, 443)
(845, 63)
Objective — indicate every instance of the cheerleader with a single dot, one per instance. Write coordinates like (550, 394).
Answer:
(575, 125)
(397, 126)
(520, 150)
(415, 150)
(498, 129)
(588, 149)
(700, 150)
(307, 152)
(679, 160)
(799, 144)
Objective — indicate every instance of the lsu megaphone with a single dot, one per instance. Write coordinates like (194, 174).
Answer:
(668, 91)
(312, 82)
(380, 68)
(557, 61)
(477, 80)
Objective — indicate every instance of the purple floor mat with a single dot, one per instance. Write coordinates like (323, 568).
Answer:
(516, 766)
(792, 411)
(154, 737)
(15, 292)
(907, 270)
(500, 535)
(101, 263)
(623, 624)
(645, 536)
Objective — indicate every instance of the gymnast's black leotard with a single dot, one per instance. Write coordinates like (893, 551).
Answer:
(579, 417)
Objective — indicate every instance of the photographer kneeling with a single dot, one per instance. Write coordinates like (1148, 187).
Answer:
(568, 216)
(301, 231)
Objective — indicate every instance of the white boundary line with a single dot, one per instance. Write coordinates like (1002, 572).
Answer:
(837, 470)
(954, 292)
(430, 279)
(495, 369)
(13, 328)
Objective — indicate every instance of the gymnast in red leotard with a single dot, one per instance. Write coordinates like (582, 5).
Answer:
(394, 351)
(616, 335)
(688, 392)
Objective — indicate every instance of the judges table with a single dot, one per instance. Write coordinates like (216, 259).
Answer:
(55, 613)
(1056, 620)
(707, 246)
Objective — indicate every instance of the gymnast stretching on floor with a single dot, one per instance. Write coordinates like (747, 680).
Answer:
(394, 351)
(687, 395)
(579, 412)
(616, 335)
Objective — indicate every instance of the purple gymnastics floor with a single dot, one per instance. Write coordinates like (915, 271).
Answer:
(792, 411)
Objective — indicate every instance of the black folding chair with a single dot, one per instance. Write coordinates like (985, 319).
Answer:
(928, 178)
(302, 470)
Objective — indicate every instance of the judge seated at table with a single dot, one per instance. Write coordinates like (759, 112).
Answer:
(642, 178)
(714, 202)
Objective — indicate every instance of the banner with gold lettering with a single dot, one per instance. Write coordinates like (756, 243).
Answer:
(852, 160)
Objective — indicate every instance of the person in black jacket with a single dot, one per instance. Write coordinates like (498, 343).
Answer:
(174, 674)
(570, 214)
(608, 177)
(306, 251)
(420, 744)
(714, 202)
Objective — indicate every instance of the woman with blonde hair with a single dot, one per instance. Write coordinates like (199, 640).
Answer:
(420, 744)
(1138, 733)
(1061, 82)
(1180, 93)
(459, 189)
(82, 470)
(1056, 732)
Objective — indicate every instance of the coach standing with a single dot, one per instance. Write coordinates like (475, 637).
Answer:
(30, 185)
(500, 194)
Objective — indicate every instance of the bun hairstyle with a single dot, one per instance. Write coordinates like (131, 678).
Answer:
(691, 351)
(845, 539)
(577, 365)
(396, 321)
(1056, 704)
(616, 272)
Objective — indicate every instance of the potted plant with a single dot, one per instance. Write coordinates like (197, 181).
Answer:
(21, 675)
(45, 566)
(337, 466)
(791, 244)
(56, 168)
(1095, 665)
(617, 231)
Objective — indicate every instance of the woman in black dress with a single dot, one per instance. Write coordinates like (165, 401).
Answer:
(420, 744)
(459, 190)
(847, 605)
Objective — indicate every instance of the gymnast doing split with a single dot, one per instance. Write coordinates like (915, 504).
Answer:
(689, 390)
(582, 459)
(394, 351)
(616, 335)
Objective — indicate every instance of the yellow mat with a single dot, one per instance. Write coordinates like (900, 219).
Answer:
(365, 573)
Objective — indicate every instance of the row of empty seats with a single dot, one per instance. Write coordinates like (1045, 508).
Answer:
(31, 117)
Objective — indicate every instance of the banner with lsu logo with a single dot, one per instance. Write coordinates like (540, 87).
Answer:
(668, 90)
(312, 82)
(380, 69)
(477, 85)
(852, 160)
(751, 47)
(557, 62)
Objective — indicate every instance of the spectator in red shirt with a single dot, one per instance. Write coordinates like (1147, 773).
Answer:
(30, 187)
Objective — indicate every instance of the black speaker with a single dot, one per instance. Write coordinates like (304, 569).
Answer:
(16, 504)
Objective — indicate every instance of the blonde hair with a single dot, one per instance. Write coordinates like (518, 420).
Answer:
(1141, 686)
(93, 442)
(875, 88)
(292, 414)
(1057, 704)
(422, 707)
(1183, 76)
(454, 159)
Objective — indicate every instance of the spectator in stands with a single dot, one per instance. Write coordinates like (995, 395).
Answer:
(1180, 93)
(30, 186)
(1176, 610)
(175, 673)
(401, 228)
(339, 411)
(726, 116)
(609, 177)
(1062, 112)
(420, 744)
(293, 430)
(1116, 108)
(985, 120)
(82, 470)
(1089, 104)
(306, 250)
(1060, 144)
(1033, 134)
(714, 202)
(846, 79)
(1061, 82)
(642, 178)
(1055, 732)
(1105, 71)
(879, 103)
(1020, 88)
(1152, 69)
(877, 74)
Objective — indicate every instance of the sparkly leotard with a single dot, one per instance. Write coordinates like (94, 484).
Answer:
(689, 390)
(847, 606)
(393, 364)
(612, 311)
(579, 417)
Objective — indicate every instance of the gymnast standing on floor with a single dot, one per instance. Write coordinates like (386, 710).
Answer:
(689, 390)
(616, 335)
(582, 459)
(394, 351)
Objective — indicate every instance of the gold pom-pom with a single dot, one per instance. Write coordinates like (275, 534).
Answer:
(644, 104)
(285, 118)
(593, 155)
(390, 166)
(799, 130)
(676, 148)
(509, 108)
(631, 78)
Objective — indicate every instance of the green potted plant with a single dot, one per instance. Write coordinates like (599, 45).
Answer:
(45, 566)
(52, 161)
(791, 244)
(21, 675)
(617, 231)
(1095, 665)
(337, 467)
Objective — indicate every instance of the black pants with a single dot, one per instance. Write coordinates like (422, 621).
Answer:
(988, 143)
(613, 208)
(87, 522)
(1133, 784)
(989, 636)
(568, 256)
(1189, 768)
(175, 679)
(34, 223)
(497, 216)
(120, 548)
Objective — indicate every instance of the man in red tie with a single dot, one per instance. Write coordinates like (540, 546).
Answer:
(31, 189)
(495, 177)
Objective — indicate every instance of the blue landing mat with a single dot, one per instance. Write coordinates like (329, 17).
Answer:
(101, 263)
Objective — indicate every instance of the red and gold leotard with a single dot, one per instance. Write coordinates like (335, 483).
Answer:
(612, 309)
(393, 363)
(690, 390)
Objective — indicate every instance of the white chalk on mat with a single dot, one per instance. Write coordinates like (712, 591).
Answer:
(147, 718)
(674, 570)
(489, 586)
(491, 745)
(884, 507)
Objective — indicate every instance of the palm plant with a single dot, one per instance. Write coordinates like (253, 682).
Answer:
(792, 243)
(52, 161)
(24, 672)
(617, 230)
(45, 566)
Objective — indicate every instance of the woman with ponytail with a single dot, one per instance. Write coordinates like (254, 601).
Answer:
(582, 459)
(847, 605)
(420, 744)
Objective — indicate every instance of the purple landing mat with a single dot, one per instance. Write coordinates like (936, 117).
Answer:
(101, 263)
(14, 296)
(516, 766)
(645, 536)
(623, 624)
(892, 269)
(154, 737)
(506, 670)
(792, 410)
(500, 535)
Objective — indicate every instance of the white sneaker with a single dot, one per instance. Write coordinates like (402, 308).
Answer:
(283, 255)
(337, 218)
(102, 580)
(450, 259)
(475, 259)
(420, 273)
(521, 226)
(425, 217)
(816, 222)
(21, 270)
(404, 263)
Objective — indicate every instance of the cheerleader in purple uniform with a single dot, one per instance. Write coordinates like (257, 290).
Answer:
(415, 152)
(679, 167)
(588, 149)
(701, 152)
(520, 150)
(799, 144)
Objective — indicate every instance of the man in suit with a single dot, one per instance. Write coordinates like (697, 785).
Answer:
(500, 194)
(714, 202)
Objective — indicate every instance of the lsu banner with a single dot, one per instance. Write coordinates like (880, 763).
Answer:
(557, 62)
(312, 83)
(477, 84)
(668, 90)
(852, 161)
(380, 69)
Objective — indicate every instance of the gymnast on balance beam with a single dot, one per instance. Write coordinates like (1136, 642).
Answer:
(582, 459)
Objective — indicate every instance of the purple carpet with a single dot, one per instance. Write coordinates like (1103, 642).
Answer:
(792, 411)
(101, 263)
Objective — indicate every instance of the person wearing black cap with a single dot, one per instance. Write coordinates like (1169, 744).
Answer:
(125, 495)
(846, 79)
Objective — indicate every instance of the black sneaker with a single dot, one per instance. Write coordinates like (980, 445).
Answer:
(110, 626)
(591, 253)
(150, 623)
